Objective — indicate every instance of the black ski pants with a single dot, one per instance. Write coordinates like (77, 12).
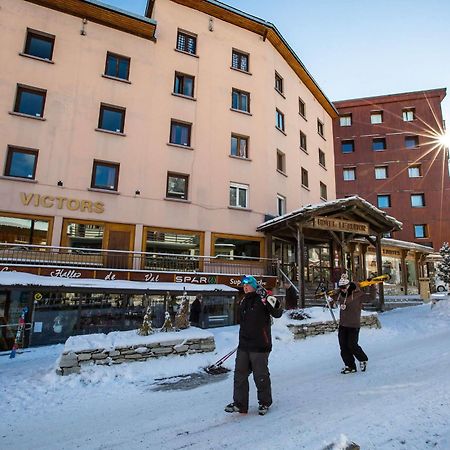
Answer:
(246, 363)
(350, 349)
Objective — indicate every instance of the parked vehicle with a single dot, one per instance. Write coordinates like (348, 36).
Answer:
(440, 285)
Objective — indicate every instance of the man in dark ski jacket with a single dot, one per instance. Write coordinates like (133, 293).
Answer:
(350, 300)
(255, 344)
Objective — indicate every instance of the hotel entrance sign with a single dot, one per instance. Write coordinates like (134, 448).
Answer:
(334, 224)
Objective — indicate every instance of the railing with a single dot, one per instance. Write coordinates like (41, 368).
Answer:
(40, 255)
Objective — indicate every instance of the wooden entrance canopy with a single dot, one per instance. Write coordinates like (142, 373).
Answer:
(340, 220)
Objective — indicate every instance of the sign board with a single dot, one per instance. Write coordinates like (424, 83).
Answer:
(335, 224)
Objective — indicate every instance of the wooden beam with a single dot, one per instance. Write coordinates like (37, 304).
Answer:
(379, 272)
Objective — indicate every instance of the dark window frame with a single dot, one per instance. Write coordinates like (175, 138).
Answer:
(320, 128)
(187, 36)
(349, 170)
(240, 93)
(183, 76)
(116, 166)
(9, 156)
(323, 190)
(119, 58)
(279, 114)
(374, 113)
(31, 33)
(281, 161)
(411, 138)
(30, 89)
(348, 142)
(346, 116)
(415, 166)
(322, 158)
(103, 107)
(279, 83)
(304, 175)
(376, 142)
(302, 108)
(388, 197)
(183, 124)
(420, 195)
(386, 171)
(239, 138)
(424, 228)
(184, 176)
(240, 56)
(303, 142)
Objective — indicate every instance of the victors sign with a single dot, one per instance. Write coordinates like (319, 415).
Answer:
(72, 204)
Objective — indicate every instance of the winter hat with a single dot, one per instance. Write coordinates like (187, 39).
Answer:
(344, 281)
(251, 281)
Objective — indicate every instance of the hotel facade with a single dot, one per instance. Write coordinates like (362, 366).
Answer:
(132, 143)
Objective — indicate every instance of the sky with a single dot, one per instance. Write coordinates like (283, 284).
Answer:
(360, 48)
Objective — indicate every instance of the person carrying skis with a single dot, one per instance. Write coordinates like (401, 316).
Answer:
(255, 344)
(350, 300)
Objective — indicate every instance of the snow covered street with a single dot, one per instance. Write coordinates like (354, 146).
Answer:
(401, 402)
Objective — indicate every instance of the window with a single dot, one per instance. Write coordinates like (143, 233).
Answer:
(323, 191)
(415, 171)
(322, 161)
(239, 195)
(240, 61)
(384, 201)
(180, 133)
(111, 118)
(80, 234)
(187, 42)
(346, 120)
(305, 180)
(420, 231)
(240, 100)
(378, 144)
(177, 186)
(409, 114)
(281, 161)
(21, 163)
(24, 230)
(117, 66)
(179, 242)
(239, 146)
(105, 175)
(411, 141)
(278, 83)
(303, 143)
(381, 172)
(30, 101)
(388, 234)
(281, 205)
(376, 117)
(232, 246)
(320, 128)
(417, 200)
(347, 146)
(301, 107)
(39, 44)
(183, 85)
(349, 174)
(279, 120)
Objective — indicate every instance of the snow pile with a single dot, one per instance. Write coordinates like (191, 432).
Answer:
(118, 339)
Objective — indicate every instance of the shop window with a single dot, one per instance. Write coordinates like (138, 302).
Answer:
(233, 246)
(117, 66)
(39, 45)
(86, 235)
(21, 163)
(24, 230)
(160, 240)
(30, 101)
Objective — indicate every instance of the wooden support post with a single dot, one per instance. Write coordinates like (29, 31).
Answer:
(379, 272)
(301, 264)
(404, 279)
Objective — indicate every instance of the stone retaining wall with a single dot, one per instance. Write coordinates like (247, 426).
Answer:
(73, 361)
(302, 331)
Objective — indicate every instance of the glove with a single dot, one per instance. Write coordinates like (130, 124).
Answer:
(272, 300)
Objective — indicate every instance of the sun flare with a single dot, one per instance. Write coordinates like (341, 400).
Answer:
(444, 139)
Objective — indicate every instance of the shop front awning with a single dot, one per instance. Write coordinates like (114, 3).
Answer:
(38, 282)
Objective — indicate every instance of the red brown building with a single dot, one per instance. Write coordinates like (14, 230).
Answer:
(387, 151)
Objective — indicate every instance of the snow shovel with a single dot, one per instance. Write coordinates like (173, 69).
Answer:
(216, 368)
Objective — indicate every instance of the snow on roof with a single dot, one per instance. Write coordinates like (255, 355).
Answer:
(406, 244)
(28, 279)
(308, 209)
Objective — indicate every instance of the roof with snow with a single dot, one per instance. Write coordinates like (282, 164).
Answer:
(351, 208)
(30, 281)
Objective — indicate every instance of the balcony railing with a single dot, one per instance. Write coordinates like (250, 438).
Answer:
(40, 255)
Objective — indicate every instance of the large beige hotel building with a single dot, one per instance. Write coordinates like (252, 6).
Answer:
(197, 120)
